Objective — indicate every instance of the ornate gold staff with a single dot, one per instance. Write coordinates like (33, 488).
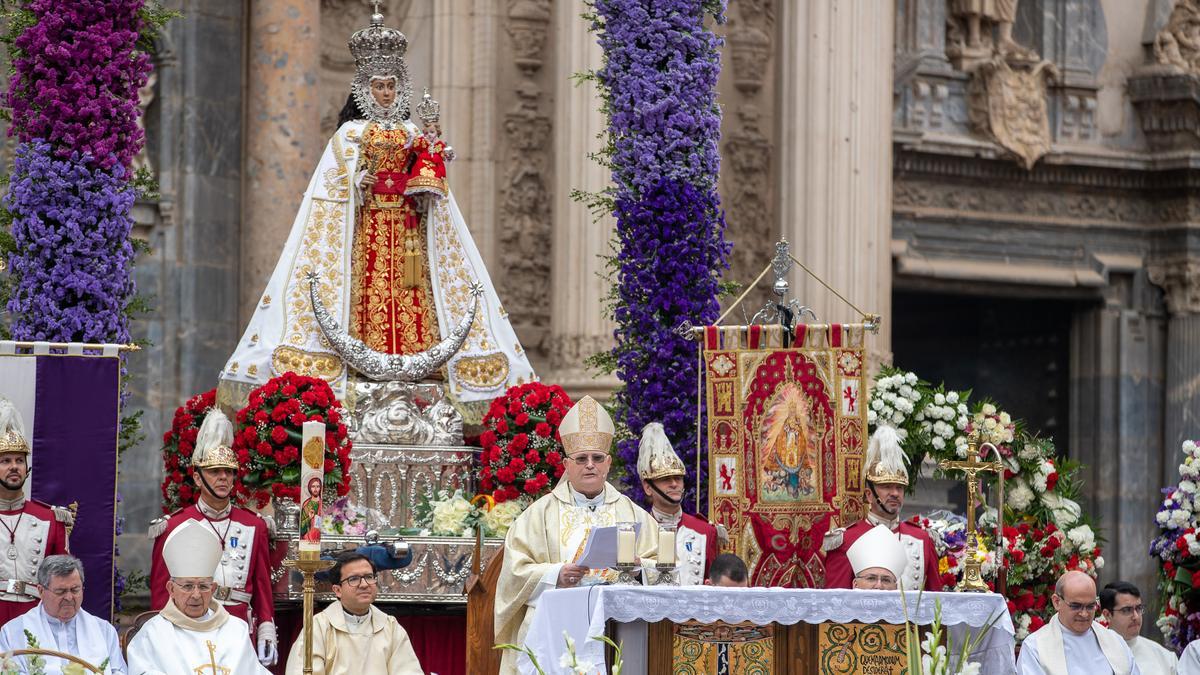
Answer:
(972, 575)
(309, 563)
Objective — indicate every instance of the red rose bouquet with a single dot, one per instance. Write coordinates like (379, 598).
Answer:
(268, 435)
(178, 490)
(522, 452)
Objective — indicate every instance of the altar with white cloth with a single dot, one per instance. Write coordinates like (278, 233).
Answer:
(644, 616)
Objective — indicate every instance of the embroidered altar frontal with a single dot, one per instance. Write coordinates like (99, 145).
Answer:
(786, 434)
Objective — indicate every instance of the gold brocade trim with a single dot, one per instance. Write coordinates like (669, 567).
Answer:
(320, 251)
(580, 441)
(482, 373)
(426, 183)
(337, 179)
(310, 364)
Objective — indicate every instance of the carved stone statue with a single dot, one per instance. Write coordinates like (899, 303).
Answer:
(1178, 43)
(978, 45)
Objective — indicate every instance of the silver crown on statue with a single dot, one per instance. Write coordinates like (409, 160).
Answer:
(429, 110)
(377, 49)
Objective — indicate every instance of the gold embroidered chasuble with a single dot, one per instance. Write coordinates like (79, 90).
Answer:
(550, 532)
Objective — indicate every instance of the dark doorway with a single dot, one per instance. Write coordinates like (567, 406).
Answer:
(1013, 351)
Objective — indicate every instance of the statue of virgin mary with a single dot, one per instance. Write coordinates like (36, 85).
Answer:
(380, 232)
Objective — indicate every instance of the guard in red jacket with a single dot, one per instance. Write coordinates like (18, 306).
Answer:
(886, 478)
(244, 575)
(662, 474)
(29, 530)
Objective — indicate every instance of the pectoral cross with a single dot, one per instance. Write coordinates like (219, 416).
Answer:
(211, 668)
(972, 578)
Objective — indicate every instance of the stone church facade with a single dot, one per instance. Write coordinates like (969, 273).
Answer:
(1022, 213)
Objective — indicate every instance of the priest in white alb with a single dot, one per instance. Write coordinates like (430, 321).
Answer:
(59, 622)
(193, 633)
(546, 539)
(1071, 643)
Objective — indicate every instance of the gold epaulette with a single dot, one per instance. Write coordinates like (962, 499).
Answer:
(64, 515)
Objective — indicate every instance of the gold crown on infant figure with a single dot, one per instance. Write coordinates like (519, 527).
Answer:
(586, 427)
(214, 443)
(12, 429)
(656, 457)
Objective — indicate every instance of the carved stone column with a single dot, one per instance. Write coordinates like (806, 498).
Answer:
(836, 147)
(283, 132)
(1180, 280)
(578, 326)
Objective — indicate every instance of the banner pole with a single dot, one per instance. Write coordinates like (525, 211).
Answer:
(699, 416)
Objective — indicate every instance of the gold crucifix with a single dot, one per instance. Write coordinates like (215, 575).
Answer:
(972, 576)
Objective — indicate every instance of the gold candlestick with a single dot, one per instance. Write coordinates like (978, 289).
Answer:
(309, 564)
(972, 574)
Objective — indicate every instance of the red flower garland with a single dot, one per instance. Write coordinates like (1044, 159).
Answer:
(178, 490)
(521, 448)
(268, 434)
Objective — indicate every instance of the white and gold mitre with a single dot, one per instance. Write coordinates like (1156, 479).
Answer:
(192, 550)
(12, 429)
(879, 547)
(586, 426)
(885, 460)
(656, 457)
(214, 443)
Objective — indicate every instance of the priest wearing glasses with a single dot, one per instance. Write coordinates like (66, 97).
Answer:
(1071, 643)
(547, 538)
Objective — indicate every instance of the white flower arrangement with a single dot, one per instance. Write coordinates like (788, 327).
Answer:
(502, 515)
(1019, 496)
(1082, 537)
(1064, 512)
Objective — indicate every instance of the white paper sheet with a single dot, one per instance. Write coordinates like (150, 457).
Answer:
(600, 551)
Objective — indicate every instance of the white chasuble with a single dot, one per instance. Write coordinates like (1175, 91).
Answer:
(1053, 650)
(1151, 657)
(86, 636)
(549, 533)
(172, 644)
(346, 645)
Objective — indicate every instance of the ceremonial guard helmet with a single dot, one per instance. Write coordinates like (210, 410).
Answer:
(214, 443)
(192, 550)
(12, 429)
(379, 52)
(656, 457)
(878, 547)
(885, 461)
(586, 426)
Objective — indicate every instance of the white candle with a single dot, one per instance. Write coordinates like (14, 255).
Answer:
(626, 541)
(312, 480)
(666, 547)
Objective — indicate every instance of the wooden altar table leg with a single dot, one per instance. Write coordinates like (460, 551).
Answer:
(660, 645)
(796, 648)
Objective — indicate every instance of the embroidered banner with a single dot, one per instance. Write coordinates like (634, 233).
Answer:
(786, 434)
(69, 403)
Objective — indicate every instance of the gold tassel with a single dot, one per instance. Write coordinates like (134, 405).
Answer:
(412, 262)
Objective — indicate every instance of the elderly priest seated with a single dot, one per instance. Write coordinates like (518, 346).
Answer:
(193, 633)
(1071, 643)
(878, 560)
(544, 542)
(59, 622)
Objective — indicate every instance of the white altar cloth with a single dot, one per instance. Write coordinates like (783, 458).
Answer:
(582, 613)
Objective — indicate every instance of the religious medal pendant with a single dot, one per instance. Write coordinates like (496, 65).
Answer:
(12, 551)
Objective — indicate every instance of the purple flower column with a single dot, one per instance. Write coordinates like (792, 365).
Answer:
(659, 79)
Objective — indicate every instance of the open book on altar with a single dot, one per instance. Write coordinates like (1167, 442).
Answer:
(666, 630)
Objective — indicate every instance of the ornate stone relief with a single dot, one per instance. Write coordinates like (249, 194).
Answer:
(1008, 105)
(747, 150)
(1178, 43)
(1181, 282)
(970, 42)
(525, 226)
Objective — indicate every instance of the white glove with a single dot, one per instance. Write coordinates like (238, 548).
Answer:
(268, 648)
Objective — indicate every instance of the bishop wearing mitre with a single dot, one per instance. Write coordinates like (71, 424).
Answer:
(193, 633)
(547, 538)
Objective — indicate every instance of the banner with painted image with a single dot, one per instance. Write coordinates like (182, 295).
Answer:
(69, 400)
(786, 434)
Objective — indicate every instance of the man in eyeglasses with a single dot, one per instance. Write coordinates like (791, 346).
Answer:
(878, 560)
(352, 636)
(544, 542)
(1071, 643)
(60, 623)
(1121, 605)
(193, 633)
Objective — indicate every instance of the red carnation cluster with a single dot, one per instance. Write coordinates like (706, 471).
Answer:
(269, 432)
(178, 444)
(522, 452)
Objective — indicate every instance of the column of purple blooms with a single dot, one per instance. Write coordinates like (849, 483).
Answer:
(73, 99)
(658, 81)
